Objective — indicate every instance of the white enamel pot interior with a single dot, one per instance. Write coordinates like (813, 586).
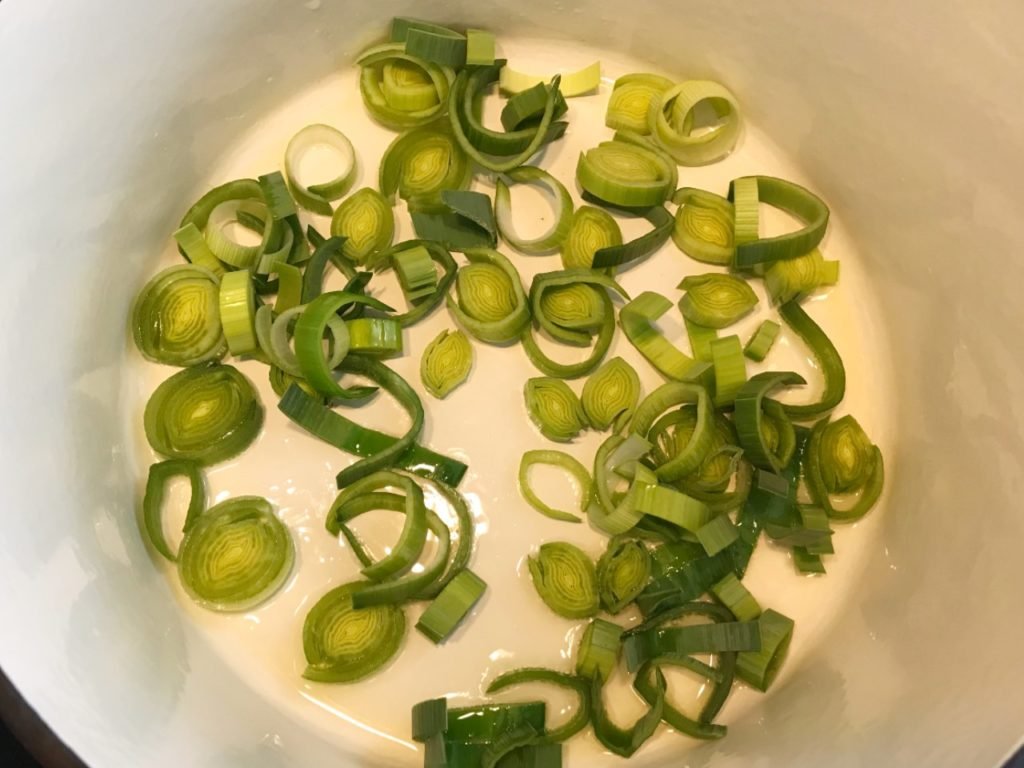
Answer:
(907, 118)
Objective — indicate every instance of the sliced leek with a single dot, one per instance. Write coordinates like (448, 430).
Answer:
(750, 418)
(622, 573)
(590, 230)
(176, 320)
(490, 302)
(791, 279)
(716, 300)
(422, 162)
(235, 555)
(827, 358)
(637, 319)
(451, 607)
(561, 215)
(794, 200)
(152, 503)
(237, 302)
(610, 394)
(760, 344)
(343, 644)
(206, 414)
(565, 579)
(577, 684)
(459, 220)
(598, 652)
(630, 101)
(673, 120)
(400, 113)
(626, 175)
(367, 223)
(565, 462)
(446, 363)
(576, 83)
(554, 408)
(840, 459)
(704, 226)
(317, 196)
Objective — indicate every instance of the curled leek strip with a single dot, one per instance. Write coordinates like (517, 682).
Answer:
(598, 652)
(490, 302)
(440, 256)
(193, 247)
(675, 122)
(660, 400)
(398, 112)
(527, 107)
(407, 87)
(342, 643)
(309, 348)
(235, 555)
(421, 163)
(828, 359)
(152, 503)
(224, 207)
(575, 683)
(750, 410)
(637, 319)
(562, 461)
(317, 197)
(625, 174)
(237, 303)
(630, 101)
(367, 223)
(716, 301)
(626, 741)
(644, 245)
(554, 408)
(568, 315)
(406, 396)
(790, 279)
(446, 363)
(495, 151)
(616, 516)
(410, 585)
(307, 410)
(610, 394)
(841, 459)
(175, 319)
(565, 579)
(561, 214)
(275, 334)
(573, 83)
(206, 414)
(591, 230)
(670, 435)
(409, 546)
(704, 226)
(622, 573)
(787, 196)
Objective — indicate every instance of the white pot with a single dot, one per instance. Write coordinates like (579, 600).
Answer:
(906, 116)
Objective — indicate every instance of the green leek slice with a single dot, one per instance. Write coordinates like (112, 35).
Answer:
(407, 86)
(527, 107)
(760, 668)
(626, 175)
(637, 319)
(237, 304)
(793, 199)
(441, 257)
(598, 652)
(343, 644)
(193, 247)
(716, 300)
(641, 647)
(827, 358)
(760, 344)
(235, 555)
(175, 319)
(640, 247)
(750, 418)
(317, 196)
(416, 272)
(421, 163)
(152, 504)
(367, 223)
(630, 101)
(672, 120)
(459, 221)
(330, 426)
(590, 230)
(491, 304)
(561, 213)
(791, 279)
(730, 369)
(667, 396)
(571, 304)
(446, 363)
(577, 684)
(562, 461)
(399, 114)
(479, 48)
(737, 598)
(704, 226)
(554, 408)
(840, 459)
(610, 394)
(375, 336)
(622, 573)
(576, 83)
(451, 607)
(565, 579)
(206, 414)
(625, 742)
(717, 534)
